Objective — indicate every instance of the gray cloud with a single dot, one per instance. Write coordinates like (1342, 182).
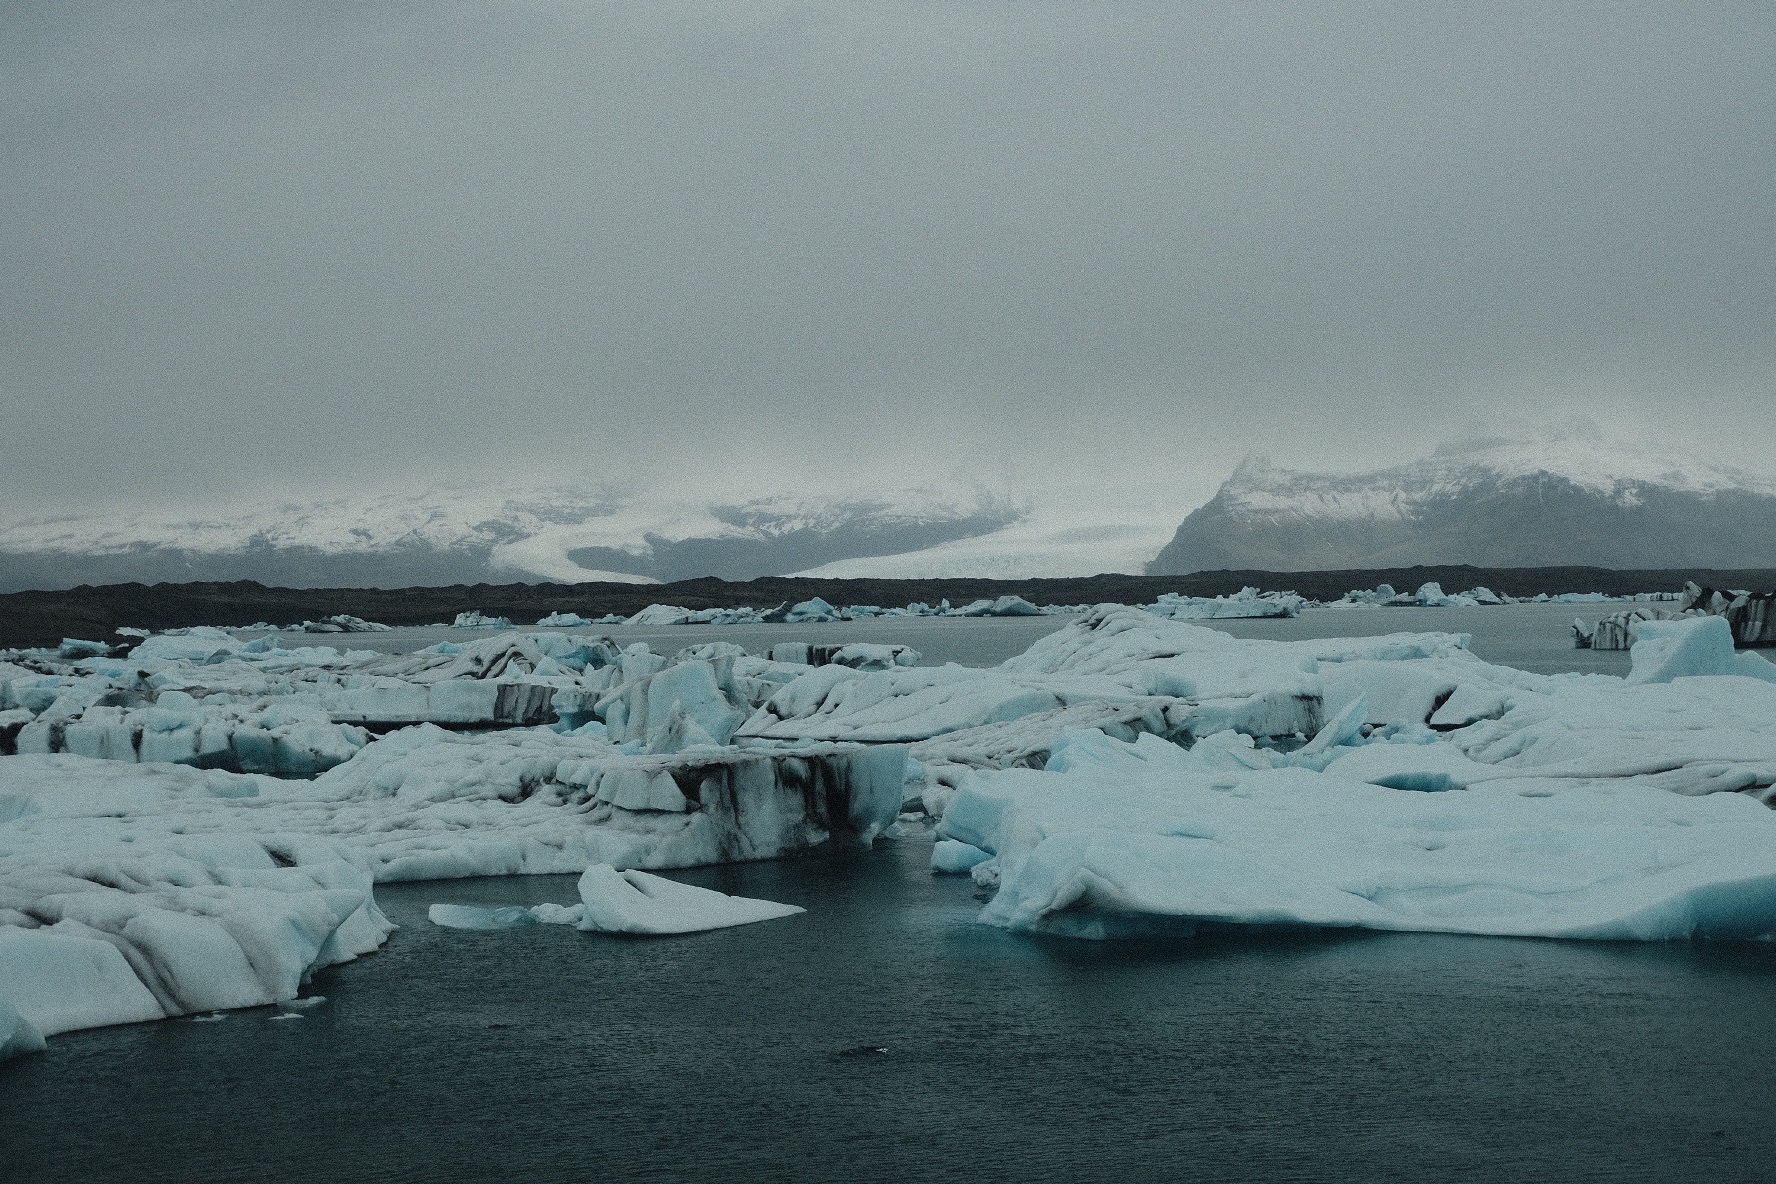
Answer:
(742, 245)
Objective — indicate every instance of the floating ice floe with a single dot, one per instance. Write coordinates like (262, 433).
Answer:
(1429, 595)
(1616, 631)
(817, 610)
(857, 655)
(342, 623)
(210, 699)
(1126, 771)
(1748, 616)
(1574, 598)
(1004, 606)
(1247, 602)
(624, 902)
(559, 620)
(96, 932)
(131, 892)
(1117, 839)
(668, 614)
(476, 619)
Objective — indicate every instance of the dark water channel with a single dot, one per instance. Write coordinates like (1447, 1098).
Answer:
(546, 1054)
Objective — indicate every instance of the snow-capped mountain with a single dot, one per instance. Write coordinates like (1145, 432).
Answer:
(1523, 502)
(467, 534)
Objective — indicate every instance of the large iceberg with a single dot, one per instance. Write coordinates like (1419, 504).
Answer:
(1118, 839)
(93, 931)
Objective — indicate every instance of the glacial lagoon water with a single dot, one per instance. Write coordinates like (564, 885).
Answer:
(1534, 637)
(545, 1054)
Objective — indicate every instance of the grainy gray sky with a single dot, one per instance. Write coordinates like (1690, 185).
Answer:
(744, 245)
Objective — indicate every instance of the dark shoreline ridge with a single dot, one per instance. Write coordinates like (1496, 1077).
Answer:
(44, 618)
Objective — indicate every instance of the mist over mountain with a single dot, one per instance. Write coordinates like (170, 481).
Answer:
(477, 534)
(1574, 498)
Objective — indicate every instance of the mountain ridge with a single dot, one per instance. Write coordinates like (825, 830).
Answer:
(468, 534)
(1490, 503)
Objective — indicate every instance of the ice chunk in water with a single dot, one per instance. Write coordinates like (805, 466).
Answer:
(1665, 650)
(466, 916)
(623, 902)
(638, 903)
(17, 1034)
(951, 857)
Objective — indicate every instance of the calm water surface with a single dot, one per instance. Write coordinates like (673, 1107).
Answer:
(546, 1054)
(1529, 636)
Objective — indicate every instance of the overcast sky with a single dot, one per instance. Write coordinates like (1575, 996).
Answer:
(748, 246)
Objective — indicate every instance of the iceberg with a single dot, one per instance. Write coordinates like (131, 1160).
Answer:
(661, 614)
(209, 699)
(1616, 631)
(343, 623)
(624, 902)
(1127, 773)
(636, 903)
(94, 933)
(812, 610)
(954, 858)
(1747, 613)
(858, 655)
(133, 892)
(1004, 606)
(17, 1034)
(1246, 603)
(1430, 594)
(1668, 650)
(476, 619)
(561, 620)
(1118, 839)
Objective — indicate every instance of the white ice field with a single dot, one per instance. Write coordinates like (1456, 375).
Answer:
(199, 824)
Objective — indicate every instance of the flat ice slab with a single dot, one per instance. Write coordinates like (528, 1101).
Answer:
(629, 902)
